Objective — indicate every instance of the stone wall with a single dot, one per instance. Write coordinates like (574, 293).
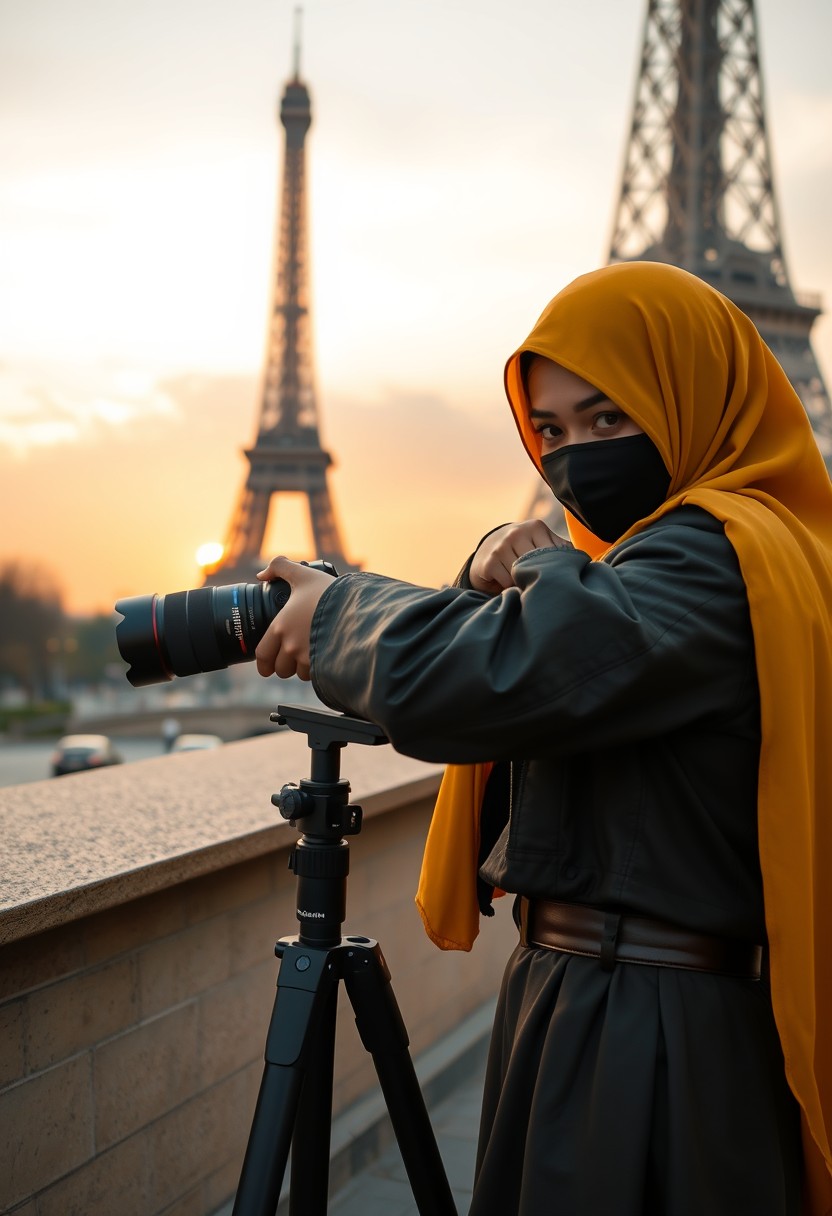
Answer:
(137, 976)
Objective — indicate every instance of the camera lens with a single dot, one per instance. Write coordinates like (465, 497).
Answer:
(185, 632)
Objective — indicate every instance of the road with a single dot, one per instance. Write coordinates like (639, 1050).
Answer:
(29, 761)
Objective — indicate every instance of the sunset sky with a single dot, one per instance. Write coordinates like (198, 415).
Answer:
(464, 164)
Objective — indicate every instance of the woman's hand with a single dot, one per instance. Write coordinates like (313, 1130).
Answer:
(491, 565)
(284, 648)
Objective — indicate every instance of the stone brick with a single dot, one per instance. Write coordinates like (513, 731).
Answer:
(119, 930)
(176, 968)
(393, 886)
(78, 1012)
(233, 1020)
(114, 1182)
(40, 960)
(197, 1138)
(253, 930)
(234, 887)
(11, 1042)
(48, 1131)
(188, 1205)
(220, 1186)
(143, 1074)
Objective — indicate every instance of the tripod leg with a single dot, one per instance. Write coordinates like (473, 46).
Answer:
(304, 986)
(309, 1190)
(383, 1033)
(268, 1145)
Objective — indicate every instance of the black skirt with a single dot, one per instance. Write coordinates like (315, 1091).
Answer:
(641, 1091)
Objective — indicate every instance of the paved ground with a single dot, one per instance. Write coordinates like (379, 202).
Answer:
(383, 1190)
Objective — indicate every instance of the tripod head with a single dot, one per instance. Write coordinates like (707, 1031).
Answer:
(321, 801)
(327, 729)
(321, 857)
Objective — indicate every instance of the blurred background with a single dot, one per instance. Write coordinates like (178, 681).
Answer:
(464, 163)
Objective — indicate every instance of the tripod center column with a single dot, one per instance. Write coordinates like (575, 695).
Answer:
(321, 867)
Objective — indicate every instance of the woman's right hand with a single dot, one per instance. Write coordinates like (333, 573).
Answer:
(490, 568)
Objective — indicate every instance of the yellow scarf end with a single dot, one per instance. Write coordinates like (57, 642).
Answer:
(445, 943)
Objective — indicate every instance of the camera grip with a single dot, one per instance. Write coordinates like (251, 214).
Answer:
(277, 594)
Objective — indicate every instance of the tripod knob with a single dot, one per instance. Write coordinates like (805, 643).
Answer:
(291, 802)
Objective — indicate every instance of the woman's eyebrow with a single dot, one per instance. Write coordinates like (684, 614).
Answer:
(586, 404)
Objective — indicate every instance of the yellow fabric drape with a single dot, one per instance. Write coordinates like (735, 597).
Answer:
(691, 369)
(447, 892)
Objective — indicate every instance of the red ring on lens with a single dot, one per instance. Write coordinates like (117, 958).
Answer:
(159, 652)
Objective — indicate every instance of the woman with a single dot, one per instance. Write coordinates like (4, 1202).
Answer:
(664, 693)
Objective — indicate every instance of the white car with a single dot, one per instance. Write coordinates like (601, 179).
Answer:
(195, 743)
(75, 753)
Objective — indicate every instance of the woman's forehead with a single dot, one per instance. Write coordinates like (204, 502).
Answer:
(556, 385)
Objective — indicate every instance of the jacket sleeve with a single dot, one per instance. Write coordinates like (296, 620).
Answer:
(578, 654)
(463, 579)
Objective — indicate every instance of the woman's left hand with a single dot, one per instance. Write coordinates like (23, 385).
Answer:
(284, 648)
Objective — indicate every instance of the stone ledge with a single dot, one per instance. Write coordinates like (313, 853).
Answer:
(83, 843)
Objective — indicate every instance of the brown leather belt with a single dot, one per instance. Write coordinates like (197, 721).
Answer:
(621, 938)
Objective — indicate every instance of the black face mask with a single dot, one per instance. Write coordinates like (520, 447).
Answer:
(608, 484)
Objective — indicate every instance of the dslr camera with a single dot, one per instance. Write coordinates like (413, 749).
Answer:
(185, 632)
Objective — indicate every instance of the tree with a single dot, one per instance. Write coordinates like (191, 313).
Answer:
(32, 626)
(91, 650)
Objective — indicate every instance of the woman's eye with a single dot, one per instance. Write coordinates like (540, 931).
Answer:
(607, 420)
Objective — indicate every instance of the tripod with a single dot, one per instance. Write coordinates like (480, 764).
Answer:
(294, 1105)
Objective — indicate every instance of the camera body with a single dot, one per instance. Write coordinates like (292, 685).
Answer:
(206, 629)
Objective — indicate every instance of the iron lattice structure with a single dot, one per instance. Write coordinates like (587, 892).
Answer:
(697, 188)
(287, 455)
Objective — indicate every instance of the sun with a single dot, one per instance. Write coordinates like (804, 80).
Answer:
(209, 554)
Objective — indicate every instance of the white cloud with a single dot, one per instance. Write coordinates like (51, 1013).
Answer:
(47, 405)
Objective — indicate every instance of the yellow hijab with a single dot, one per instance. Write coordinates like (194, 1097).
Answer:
(691, 369)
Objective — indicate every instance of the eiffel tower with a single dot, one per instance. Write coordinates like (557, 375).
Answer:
(698, 190)
(287, 456)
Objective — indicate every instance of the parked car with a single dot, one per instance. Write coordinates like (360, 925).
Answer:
(195, 743)
(74, 753)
